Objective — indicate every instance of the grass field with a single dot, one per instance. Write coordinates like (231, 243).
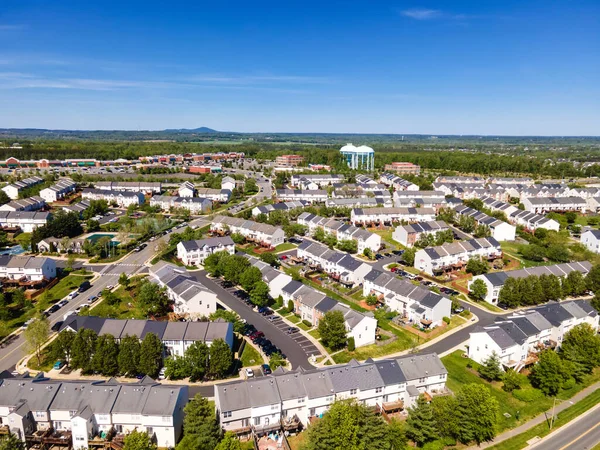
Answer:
(251, 356)
(284, 247)
(68, 284)
(404, 342)
(304, 326)
(126, 308)
(386, 235)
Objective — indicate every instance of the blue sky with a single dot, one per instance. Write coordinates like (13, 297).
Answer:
(461, 67)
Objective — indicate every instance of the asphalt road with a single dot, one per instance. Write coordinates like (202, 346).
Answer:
(582, 434)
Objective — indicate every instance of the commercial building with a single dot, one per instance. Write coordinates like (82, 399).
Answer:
(358, 158)
(58, 191)
(190, 297)
(86, 414)
(289, 160)
(389, 216)
(193, 253)
(416, 304)
(27, 221)
(263, 234)
(196, 205)
(364, 239)
(121, 198)
(451, 257)
(14, 189)
(407, 235)
(268, 404)
(495, 281)
(403, 168)
(500, 230)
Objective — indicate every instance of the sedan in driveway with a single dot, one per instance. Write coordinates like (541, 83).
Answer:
(292, 330)
(266, 369)
(249, 373)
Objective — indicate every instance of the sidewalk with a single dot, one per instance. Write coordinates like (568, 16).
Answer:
(543, 417)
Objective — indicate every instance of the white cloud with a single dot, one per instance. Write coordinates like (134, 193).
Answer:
(422, 14)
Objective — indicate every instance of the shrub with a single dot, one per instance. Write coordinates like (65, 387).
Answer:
(569, 384)
(307, 323)
(351, 344)
(466, 314)
(528, 395)
(290, 305)
(446, 319)
(469, 365)
(434, 445)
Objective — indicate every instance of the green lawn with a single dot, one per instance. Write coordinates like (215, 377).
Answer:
(459, 374)
(304, 326)
(251, 356)
(126, 308)
(404, 342)
(66, 285)
(294, 319)
(315, 333)
(284, 247)
(511, 248)
(386, 235)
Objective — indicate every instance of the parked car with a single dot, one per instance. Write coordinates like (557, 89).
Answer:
(503, 306)
(266, 369)
(292, 330)
(92, 299)
(56, 326)
(84, 286)
(283, 257)
(458, 310)
(63, 303)
(249, 372)
(53, 309)
(58, 365)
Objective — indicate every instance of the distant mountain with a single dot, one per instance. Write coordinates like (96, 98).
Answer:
(192, 130)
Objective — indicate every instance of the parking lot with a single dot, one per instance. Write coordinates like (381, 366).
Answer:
(307, 346)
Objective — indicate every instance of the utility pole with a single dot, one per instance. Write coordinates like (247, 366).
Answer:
(552, 418)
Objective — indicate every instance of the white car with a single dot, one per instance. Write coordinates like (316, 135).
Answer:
(161, 374)
(249, 373)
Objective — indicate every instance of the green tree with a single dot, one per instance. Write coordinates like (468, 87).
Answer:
(332, 328)
(129, 355)
(478, 289)
(476, 266)
(124, 280)
(105, 359)
(11, 441)
(138, 440)
(271, 259)
(444, 412)
(511, 380)
(151, 351)
(509, 293)
(212, 263)
(551, 287)
(549, 373)
(61, 346)
(276, 360)
(229, 316)
(420, 423)
(581, 346)
(349, 245)
(152, 298)
(259, 295)
(221, 358)
(238, 238)
(229, 442)
(82, 349)
(576, 284)
(477, 414)
(201, 429)
(592, 279)
(250, 277)
(409, 256)
(490, 369)
(36, 334)
(197, 356)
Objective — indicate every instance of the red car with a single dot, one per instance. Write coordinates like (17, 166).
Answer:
(283, 257)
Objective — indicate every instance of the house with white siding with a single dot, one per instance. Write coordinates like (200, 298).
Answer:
(263, 234)
(295, 195)
(186, 189)
(121, 198)
(144, 187)
(283, 206)
(193, 253)
(58, 191)
(14, 189)
(500, 230)
(34, 203)
(399, 184)
(388, 216)
(543, 205)
(528, 220)
(407, 235)
(26, 269)
(27, 221)
(320, 180)
(591, 240)
(196, 205)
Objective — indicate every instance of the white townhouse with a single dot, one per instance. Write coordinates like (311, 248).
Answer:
(186, 189)
(176, 337)
(320, 180)
(424, 202)
(364, 239)
(364, 202)
(399, 184)
(593, 204)
(144, 187)
(14, 189)
(339, 266)
(543, 205)
(387, 216)
(415, 304)
(63, 245)
(526, 181)
(27, 204)
(190, 297)
(27, 221)
(460, 180)
(261, 233)
(528, 220)
(494, 281)
(26, 269)
(275, 279)
(285, 206)
(518, 338)
(500, 230)
(296, 195)
(78, 207)
(591, 240)
(121, 198)
(216, 195)
(364, 179)
(271, 403)
(451, 257)
(80, 412)
(228, 183)
(58, 191)
(196, 205)
(193, 253)
(407, 235)
(586, 192)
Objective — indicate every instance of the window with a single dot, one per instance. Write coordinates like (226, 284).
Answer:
(166, 419)
(72, 412)
(378, 390)
(422, 380)
(353, 391)
(312, 412)
(329, 398)
(227, 414)
(274, 407)
(40, 414)
(257, 421)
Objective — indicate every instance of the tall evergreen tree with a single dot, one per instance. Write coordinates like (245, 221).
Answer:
(129, 355)
(221, 358)
(490, 369)
(420, 424)
(477, 414)
(105, 359)
(197, 357)
(83, 348)
(150, 355)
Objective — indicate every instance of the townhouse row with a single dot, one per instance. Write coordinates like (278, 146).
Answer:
(193, 253)
(122, 198)
(528, 220)
(518, 338)
(284, 206)
(388, 216)
(399, 184)
(543, 205)
(27, 221)
(86, 414)
(195, 205)
(266, 404)
(14, 189)
(452, 257)
(26, 269)
(263, 234)
(424, 199)
(314, 182)
(407, 235)
(58, 191)
(144, 187)
(499, 230)
(307, 195)
(495, 281)
(27, 204)
(364, 239)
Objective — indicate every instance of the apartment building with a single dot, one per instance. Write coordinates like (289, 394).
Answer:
(289, 160)
(495, 281)
(307, 195)
(407, 235)
(196, 205)
(518, 338)
(27, 221)
(14, 189)
(416, 304)
(121, 198)
(58, 191)
(364, 239)
(500, 230)
(186, 189)
(399, 184)
(403, 168)
(216, 195)
(320, 180)
(144, 187)
(388, 216)
(543, 205)
(189, 296)
(263, 234)
(450, 257)
(269, 403)
(193, 253)
(528, 220)
(284, 206)
(339, 266)
(79, 412)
